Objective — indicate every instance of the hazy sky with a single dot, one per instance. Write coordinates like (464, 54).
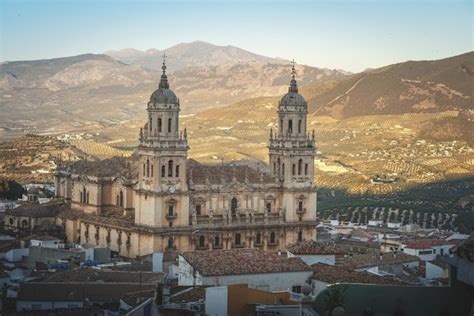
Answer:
(350, 35)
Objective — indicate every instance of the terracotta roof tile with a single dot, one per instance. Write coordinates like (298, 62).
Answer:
(113, 167)
(373, 259)
(242, 261)
(427, 243)
(311, 247)
(332, 274)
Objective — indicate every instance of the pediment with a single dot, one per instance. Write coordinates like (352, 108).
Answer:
(236, 186)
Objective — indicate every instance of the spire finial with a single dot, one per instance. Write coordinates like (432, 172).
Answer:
(293, 84)
(164, 79)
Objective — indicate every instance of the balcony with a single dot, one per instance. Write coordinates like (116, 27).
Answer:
(301, 211)
(171, 217)
(221, 246)
(202, 247)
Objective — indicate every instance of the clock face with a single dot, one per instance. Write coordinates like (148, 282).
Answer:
(171, 189)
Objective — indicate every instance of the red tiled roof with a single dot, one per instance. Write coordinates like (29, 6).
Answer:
(332, 274)
(427, 243)
(311, 247)
(242, 261)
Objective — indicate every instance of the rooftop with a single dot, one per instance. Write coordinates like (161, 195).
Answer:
(94, 292)
(373, 259)
(242, 261)
(50, 209)
(93, 275)
(225, 173)
(427, 243)
(332, 274)
(311, 247)
(113, 167)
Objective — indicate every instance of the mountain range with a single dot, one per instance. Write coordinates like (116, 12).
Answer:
(91, 91)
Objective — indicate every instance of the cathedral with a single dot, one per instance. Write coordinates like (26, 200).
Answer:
(159, 200)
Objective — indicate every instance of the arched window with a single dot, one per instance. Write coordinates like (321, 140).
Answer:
(121, 199)
(170, 168)
(305, 169)
(151, 173)
(169, 125)
(279, 166)
(272, 238)
(300, 166)
(177, 171)
(144, 170)
(290, 127)
(159, 124)
(148, 167)
(233, 205)
(293, 170)
(299, 126)
(117, 200)
(163, 171)
(170, 243)
(281, 126)
(151, 124)
(81, 200)
(201, 241)
(84, 195)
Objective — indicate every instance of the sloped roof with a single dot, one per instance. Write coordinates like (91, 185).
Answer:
(242, 261)
(376, 259)
(428, 243)
(94, 292)
(113, 167)
(332, 274)
(93, 275)
(219, 173)
(50, 209)
(311, 247)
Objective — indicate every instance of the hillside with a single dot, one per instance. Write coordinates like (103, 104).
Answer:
(409, 87)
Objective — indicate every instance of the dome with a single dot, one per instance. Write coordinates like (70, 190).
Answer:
(163, 95)
(293, 99)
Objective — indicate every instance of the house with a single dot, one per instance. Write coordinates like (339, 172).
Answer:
(240, 299)
(361, 235)
(258, 269)
(312, 252)
(45, 241)
(427, 249)
(325, 275)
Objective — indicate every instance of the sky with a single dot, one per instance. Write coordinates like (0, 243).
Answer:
(344, 34)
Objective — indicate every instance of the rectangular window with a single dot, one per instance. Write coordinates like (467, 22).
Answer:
(198, 210)
(170, 210)
(269, 207)
(237, 239)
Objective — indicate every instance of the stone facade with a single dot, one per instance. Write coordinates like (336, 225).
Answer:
(159, 200)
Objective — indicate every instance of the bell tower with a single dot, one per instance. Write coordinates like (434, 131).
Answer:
(162, 158)
(291, 154)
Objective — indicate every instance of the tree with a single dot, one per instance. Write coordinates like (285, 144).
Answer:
(11, 190)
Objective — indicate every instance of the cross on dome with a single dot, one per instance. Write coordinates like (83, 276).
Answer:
(293, 85)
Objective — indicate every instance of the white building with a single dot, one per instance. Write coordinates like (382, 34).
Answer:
(427, 249)
(259, 269)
